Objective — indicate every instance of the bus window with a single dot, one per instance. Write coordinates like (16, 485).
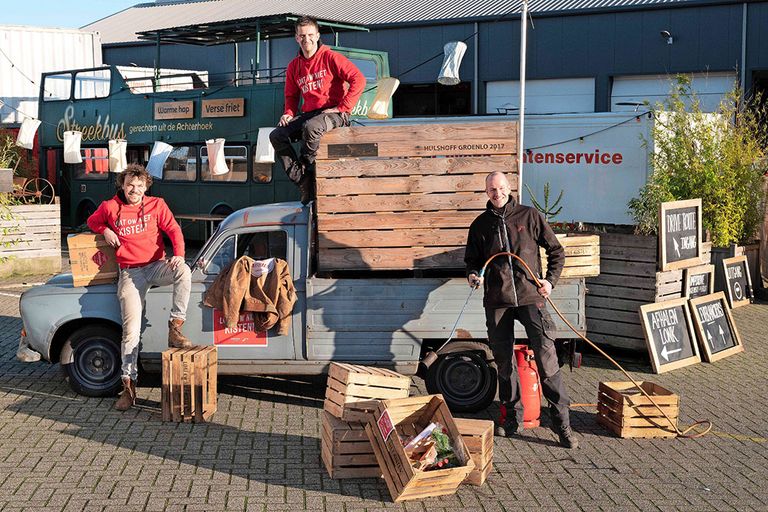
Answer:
(237, 162)
(181, 164)
(262, 172)
(367, 67)
(92, 84)
(95, 164)
(57, 87)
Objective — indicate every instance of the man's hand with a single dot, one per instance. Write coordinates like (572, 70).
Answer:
(546, 288)
(111, 238)
(474, 280)
(333, 110)
(285, 119)
(175, 261)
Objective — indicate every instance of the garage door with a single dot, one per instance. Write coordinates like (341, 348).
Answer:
(629, 92)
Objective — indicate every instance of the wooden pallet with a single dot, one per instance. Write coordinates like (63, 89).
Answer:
(625, 411)
(353, 391)
(428, 182)
(30, 240)
(628, 279)
(478, 436)
(407, 417)
(345, 449)
(189, 384)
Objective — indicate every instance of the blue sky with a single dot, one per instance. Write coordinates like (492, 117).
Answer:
(61, 13)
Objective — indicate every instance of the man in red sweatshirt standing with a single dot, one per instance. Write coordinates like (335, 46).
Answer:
(318, 76)
(134, 224)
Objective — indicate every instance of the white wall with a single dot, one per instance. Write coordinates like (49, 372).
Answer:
(568, 95)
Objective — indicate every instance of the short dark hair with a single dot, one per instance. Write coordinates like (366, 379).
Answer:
(304, 21)
(134, 171)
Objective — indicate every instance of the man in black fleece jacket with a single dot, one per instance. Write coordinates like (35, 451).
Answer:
(511, 293)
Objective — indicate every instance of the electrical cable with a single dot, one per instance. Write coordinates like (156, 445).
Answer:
(683, 433)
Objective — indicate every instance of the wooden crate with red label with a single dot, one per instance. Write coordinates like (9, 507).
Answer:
(400, 419)
(92, 260)
(189, 384)
(353, 391)
(345, 449)
(478, 436)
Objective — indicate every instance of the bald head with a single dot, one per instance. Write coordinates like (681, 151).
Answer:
(498, 188)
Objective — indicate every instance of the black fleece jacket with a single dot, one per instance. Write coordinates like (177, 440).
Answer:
(520, 230)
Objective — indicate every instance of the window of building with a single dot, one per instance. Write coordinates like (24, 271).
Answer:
(95, 164)
(432, 100)
(237, 163)
(181, 164)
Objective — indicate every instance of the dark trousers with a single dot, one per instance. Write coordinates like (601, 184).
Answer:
(308, 127)
(539, 328)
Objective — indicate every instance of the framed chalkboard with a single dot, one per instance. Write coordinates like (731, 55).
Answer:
(698, 281)
(716, 331)
(680, 234)
(669, 334)
(738, 283)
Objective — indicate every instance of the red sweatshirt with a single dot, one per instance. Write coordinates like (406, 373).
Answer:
(139, 229)
(319, 80)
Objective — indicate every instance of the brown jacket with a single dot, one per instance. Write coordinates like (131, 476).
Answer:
(270, 296)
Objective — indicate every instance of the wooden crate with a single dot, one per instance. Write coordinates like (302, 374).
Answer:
(628, 279)
(582, 256)
(30, 240)
(189, 384)
(478, 436)
(422, 207)
(407, 417)
(625, 411)
(353, 391)
(345, 449)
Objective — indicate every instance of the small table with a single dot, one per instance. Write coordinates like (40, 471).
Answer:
(210, 220)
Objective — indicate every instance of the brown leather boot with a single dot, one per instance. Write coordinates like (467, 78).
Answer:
(175, 338)
(127, 396)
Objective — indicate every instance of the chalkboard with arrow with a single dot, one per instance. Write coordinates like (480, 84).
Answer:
(669, 334)
(716, 331)
(738, 282)
(680, 234)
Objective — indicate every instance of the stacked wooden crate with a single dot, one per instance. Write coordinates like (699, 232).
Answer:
(628, 279)
(189, 383)
(30, 240)
(403, 197)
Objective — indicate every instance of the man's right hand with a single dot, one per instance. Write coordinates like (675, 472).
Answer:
(474, 280)
(284, 120)
(111, 238)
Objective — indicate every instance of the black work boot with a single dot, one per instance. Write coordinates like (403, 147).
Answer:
(567, 438)
(507, 426)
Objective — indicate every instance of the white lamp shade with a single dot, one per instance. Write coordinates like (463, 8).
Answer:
(384, 91)
(454, 52)
(117, 158)
(157, 158)
(72, 147)
(217, 163)
(26, 138)
(265, 153)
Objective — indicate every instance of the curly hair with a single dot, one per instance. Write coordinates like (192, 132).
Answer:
(134, 171)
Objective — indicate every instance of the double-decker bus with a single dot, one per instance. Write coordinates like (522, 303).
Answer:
(183, 109)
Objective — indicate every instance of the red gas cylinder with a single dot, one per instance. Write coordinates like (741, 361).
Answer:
(530, 386)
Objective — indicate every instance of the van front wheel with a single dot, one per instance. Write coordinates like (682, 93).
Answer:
(465, 379)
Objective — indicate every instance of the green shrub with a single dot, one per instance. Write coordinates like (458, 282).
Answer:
(720, 158)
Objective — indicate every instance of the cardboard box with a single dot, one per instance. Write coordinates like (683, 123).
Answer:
(353, 391)
(93, 261)
(406, 417)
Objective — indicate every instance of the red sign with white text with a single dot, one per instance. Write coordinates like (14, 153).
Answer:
(242, 335)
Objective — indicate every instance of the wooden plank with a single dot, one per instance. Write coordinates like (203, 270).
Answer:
(416, 202)
(610, 303)
(610, 291)
(627, 240)
(627, 268)
(392, 258)
(400, 185)
(401, 238)
(629, 317)
(624, 282)
(630, 330)
(378, 221)
(386, 167)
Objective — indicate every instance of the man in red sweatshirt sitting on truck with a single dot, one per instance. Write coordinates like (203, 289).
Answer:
(134, 224)
(319, 77)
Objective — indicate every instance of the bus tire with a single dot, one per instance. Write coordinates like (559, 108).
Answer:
(466, 380)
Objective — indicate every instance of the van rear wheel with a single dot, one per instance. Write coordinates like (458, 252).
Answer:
(93, 361)
(465, 379)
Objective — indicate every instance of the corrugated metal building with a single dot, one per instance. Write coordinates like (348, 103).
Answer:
(583, 56)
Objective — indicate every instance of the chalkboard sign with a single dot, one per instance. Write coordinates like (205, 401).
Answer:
(680, 234)
(669, 335)
(718, 337)
(738, 283)
(698, 281)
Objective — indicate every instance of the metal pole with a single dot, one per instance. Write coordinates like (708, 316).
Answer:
(157, 65)
(521, 123)
(237, 64)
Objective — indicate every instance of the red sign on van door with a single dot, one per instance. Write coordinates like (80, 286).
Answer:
(243, 335)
